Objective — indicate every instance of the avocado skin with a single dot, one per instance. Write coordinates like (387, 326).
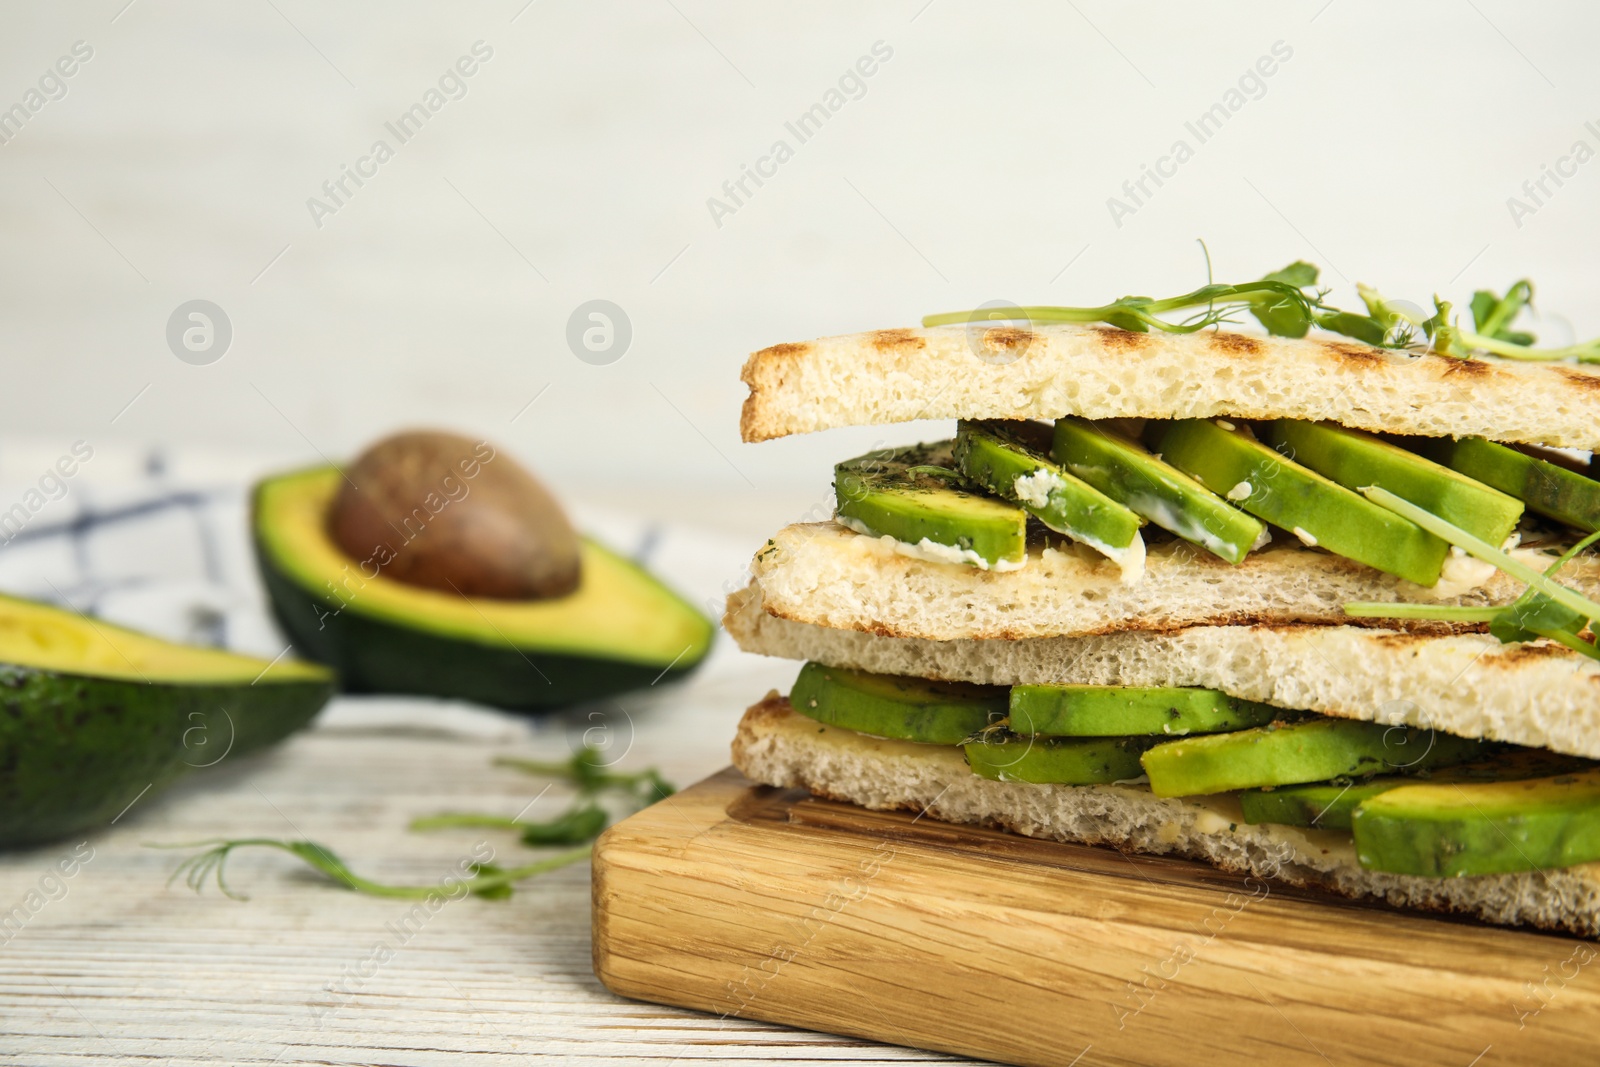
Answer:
(75, 751)
(374, 656)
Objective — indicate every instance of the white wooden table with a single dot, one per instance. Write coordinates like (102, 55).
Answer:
(124, 968)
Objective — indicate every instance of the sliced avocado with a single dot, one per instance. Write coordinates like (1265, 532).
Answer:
(884, 494)
(1011, 460)
(1311, 750)
(1451, 830)
(1356, 460)
(97, 714)
(621, 629)
(1056, 761)
(1314, 508)
(1128, 473)
(1322, 806)
(1125, 710)
(887, 705)
(1547, 488)
(1330, 805)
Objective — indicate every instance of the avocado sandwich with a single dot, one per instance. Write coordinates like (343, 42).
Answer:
(1313, 604)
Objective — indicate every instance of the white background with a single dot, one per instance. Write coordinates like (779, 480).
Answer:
(976, 166)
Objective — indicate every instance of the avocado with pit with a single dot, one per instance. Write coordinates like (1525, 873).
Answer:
(1549, 489)
(1009, 757)
(1122, 710)
(913, 496)
(618, 629)
(1456, 829)
(1154, 489)
(1011, 460)
(99, 716)
(1291, 753)
(1331, 805)
(1316, 509)
(1356, 459)
(887, 705)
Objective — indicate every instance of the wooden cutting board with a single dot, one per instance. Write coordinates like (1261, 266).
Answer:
(767, 904)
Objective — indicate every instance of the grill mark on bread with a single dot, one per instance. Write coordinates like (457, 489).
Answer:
(1471, 368)
(787, 348)
(1121, 340)
(892, 340)
(1511, 655)
(1235, 344)
(1007, 337)
(1353, 356)
(1581, 380)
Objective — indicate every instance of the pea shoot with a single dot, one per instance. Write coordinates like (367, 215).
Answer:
(1288, 303)
(578, 826)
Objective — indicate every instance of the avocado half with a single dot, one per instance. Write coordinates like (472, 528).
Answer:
(621, 629)
(97, 716)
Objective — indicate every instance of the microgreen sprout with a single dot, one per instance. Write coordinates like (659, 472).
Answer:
(1546, 609)
(579, 825)
(487, 880)
(587, 771)
(1287, 303)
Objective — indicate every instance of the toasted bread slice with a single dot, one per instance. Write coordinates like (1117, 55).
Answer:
(779, 747)
(1002, 372)
(825, 574)
(1538, 694)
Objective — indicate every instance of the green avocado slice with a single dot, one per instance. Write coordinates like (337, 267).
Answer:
(1457, 829)
(1356, 459)
(1125, 471)
(1331, 805)
(1316, 509)
(1290, 753)
(1119, 711)
(883, 494)
(887, 705)
(1321, 806)
(1011, 460)
(1547, 488)
(621, 629)
(1056, 760)
(97, 715)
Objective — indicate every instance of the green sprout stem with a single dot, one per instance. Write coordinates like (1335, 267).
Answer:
(1481, 549)
(1572, 641)
(490, 882)
(1587, 352)
(579, 825)
(590, 776)
(1493, 616)
(1288, 305)
(1144, 310)
(1366, 609)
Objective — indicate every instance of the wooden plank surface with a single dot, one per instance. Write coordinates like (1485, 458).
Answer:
(122, 968)
(764, 904)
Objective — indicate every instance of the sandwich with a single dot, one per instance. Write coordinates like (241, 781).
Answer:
(1311, 603)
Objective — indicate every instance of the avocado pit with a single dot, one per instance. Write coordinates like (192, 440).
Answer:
(441, 511)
